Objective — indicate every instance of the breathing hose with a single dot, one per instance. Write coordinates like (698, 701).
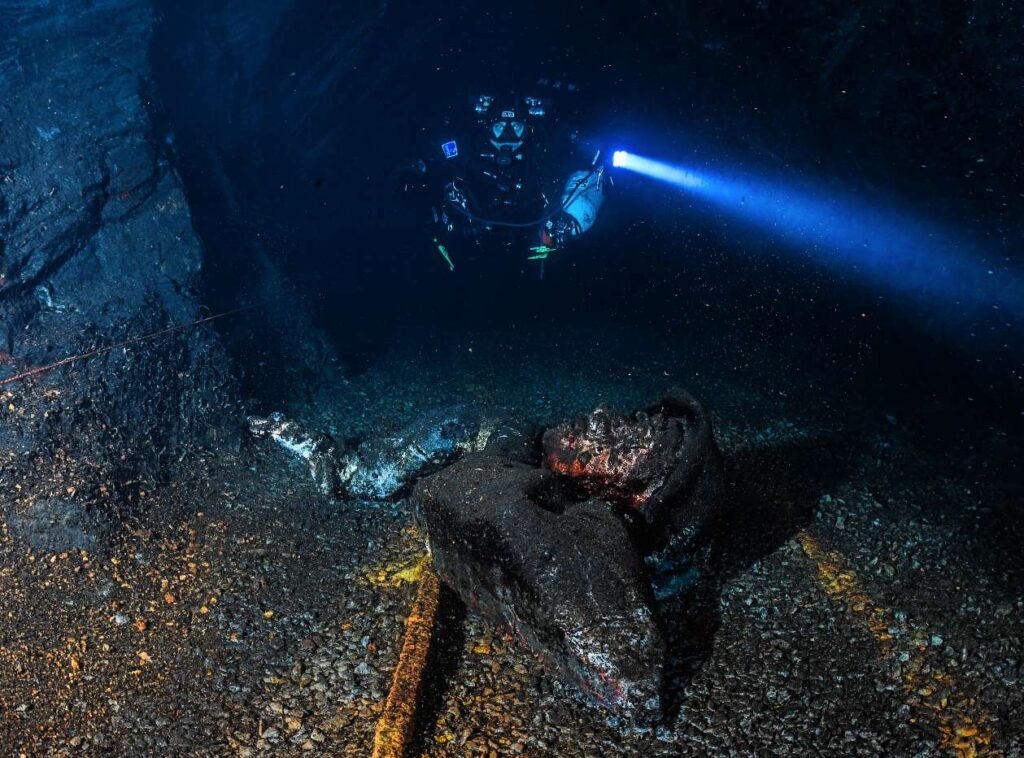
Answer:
(527, 224)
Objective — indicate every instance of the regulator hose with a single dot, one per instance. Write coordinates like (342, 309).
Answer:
(526, 224)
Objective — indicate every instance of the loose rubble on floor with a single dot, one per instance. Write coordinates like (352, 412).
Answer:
(835, 569)
(248, 612)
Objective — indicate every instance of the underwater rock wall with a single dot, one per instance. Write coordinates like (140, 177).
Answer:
(213, 107)
(96, 246)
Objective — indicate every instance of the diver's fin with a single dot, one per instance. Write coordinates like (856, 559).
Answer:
(444, 254)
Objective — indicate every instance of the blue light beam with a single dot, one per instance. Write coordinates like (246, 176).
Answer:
(893, 250)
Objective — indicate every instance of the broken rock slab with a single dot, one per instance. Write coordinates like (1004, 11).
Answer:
(328, 466)
(520, 548)
(382, 467)
(388, 465)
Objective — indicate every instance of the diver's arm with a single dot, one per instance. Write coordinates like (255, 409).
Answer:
(441, 227)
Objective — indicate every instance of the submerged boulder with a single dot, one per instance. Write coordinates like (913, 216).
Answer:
(97, 246)
(517, 546)
(569, 553)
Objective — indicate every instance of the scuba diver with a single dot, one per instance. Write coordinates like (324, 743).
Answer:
(512, 174)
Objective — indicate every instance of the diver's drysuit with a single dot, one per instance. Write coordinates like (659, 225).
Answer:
(508, 181)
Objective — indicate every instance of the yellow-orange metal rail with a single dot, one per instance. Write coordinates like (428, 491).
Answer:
(396, 724)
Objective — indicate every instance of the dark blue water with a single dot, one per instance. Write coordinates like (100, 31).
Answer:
(291, 120)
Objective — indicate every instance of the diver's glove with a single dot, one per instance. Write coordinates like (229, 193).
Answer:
(456, 196)
(560, 228)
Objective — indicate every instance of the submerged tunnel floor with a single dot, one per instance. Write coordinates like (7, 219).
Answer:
(869, 597)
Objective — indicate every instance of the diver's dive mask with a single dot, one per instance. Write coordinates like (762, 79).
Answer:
(508, 133)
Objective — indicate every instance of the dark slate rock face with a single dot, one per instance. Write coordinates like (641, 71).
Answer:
(96, 245)
(516, 546)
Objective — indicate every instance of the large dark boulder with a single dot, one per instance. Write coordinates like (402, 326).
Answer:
(517, 546)
(568, 553)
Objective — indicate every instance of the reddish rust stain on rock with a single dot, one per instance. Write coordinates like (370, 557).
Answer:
(613, 455)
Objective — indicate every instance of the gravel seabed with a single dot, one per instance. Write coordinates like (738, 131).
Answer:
(864, 599)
